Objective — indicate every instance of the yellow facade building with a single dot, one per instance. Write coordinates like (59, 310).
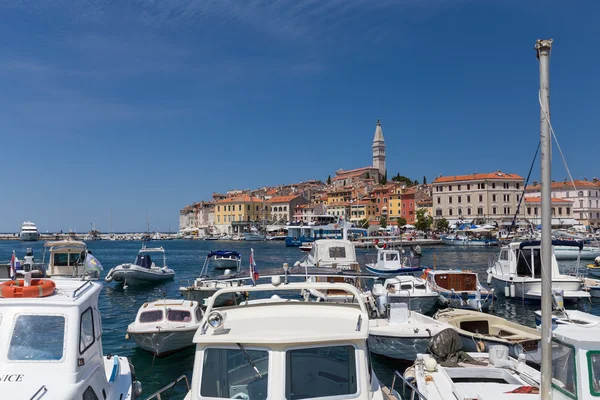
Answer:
(233, 213)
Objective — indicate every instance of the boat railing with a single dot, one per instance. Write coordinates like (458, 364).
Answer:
(405, 383)
(40, 393)
(158, 394)
(82, 289)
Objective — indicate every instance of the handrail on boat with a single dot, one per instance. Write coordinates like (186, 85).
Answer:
(157, 394)
(41, 391)
(82, 288)
(406, 383)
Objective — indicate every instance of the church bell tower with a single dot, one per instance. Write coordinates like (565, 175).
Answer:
(379, 151)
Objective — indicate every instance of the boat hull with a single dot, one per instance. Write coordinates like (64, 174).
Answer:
(469, 242)
(571, 253)
(255, 237)
(134, 275)
(297, 242)
(29, 236)
(532, 289)
(400, 348)
(164, 342)
(393, 272)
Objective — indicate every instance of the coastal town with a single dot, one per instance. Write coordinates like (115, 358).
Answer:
(369, 198)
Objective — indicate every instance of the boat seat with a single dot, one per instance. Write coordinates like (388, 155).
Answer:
(398, 313)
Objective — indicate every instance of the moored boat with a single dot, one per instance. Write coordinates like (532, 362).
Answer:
(165, 326)
(479, 331)
(29, 232)
(143, 270)
(224, 259)
(460, 289)
(414, 291)
(390, 262)
(52, 344)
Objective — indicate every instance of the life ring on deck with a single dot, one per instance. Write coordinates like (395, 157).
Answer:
(17, 288)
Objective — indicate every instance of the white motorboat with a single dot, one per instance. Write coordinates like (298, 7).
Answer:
(460, 289)
(70, 259)
(402, 333)
(478, 237)
(165, 326)
(52, 345)
(331, 253)
(517, 272)
(29, 232)
(143, 270)
(254, 235)
(594, 268)
(570, 317)
(390, 262)
(414, 291)
(486, 376)
(285, 349)
(223, 259)
(204, 286)
(479, 331)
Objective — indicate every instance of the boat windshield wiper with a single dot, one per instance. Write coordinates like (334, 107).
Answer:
(249, 359)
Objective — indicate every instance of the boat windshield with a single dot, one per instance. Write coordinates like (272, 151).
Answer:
(235, 373)
(179, 315)
(563, 369)
(143, 261)
(320, 372)
(594, 372)
(151, 316)
(337, 252)
(37, 338)
(67, 259)
(529, 263)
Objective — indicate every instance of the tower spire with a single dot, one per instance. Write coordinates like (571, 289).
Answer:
(379, 150)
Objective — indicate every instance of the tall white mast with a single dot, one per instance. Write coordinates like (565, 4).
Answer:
(543, 48)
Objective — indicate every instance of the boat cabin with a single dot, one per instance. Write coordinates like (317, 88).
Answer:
(51, 347)
(575, 363)
(144, 260)
(524, 259)
(66, 259)
(284, 349)
(333, 253)
(169, 311)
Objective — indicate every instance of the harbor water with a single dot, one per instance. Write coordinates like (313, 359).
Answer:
(119, 306)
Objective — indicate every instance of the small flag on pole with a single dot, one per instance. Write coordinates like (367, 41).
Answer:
(92, 263)
(13, 266)
(253, 272)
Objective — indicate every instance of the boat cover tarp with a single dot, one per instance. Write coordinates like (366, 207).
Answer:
(446, 348)
(224, 253)
(555, 242)
(143, 260)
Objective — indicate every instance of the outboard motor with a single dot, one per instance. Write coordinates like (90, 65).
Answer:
(557, 299)
(28, 260)
(379, 293)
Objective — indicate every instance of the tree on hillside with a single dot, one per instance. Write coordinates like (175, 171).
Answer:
(416, 182)
(401, 221)
(442, 225)
(424, 220)
(383, 180)
(329, 179)
(383, 222)
(424, 180)
(403, 179)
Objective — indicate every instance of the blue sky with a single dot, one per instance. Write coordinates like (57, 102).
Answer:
(142, 107)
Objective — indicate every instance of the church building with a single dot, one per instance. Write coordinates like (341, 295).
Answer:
(376, 172)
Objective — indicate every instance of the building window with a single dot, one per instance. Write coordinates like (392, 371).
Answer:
(528, 210)
(468, 199)
(449, 188)
(240, 207)
(494, 209)
(438, 213)
(517, 185)
(460, 211)
(439, 201)
(459, 199)
(493, 197)
(449, 199)
(458, 187)
(535, 211)
(468, 186)
(480, 197)
(479, 210)
(493, 185)
(450, 212)
(568, 210)
(218, 208)
(507, 210)
(505, 185)
(218, 218)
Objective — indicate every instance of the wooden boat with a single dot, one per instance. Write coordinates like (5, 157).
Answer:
(479, 331)
(460, 289)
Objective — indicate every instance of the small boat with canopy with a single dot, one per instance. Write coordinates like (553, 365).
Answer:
(143, 270)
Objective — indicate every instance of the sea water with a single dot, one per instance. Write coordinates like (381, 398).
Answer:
(119, 306)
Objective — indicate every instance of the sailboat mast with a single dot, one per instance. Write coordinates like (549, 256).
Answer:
(543, 48)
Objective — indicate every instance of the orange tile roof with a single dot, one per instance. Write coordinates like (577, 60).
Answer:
(538, 199)
(283, 199)
(271, 192)
(341, 203)
(473, 177)
(240, 199)
(579, 184)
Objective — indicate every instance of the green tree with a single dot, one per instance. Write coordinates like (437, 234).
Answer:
(424, 221)
(401, 221)
(383, 180)
(363, 223)
(368, 176)
(383, 222)
(442, 225)
(403, 179)
(329, 179)
(424, 180)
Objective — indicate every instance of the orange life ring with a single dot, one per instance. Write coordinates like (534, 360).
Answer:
(38, 288)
